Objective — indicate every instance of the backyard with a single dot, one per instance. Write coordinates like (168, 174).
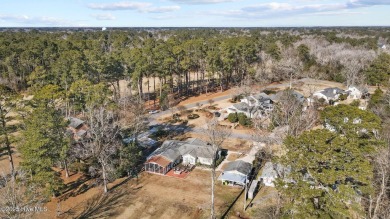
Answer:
(151, 196)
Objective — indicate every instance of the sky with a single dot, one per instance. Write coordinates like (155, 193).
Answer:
(193, 13)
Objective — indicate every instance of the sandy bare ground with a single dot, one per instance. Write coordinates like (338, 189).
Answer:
(4, 163)
(154, 82)
(151, 196)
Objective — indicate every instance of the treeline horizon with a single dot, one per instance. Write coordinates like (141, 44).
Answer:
(220, 57)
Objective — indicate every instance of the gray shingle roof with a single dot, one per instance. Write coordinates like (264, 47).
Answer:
(274, 170)
(173, 149)
(332, 92)
(241, 106)
(75, 122)
(196, 141)
(239, 166)
(261, 97)
(269, 171)
(233, 177)
(276, 97)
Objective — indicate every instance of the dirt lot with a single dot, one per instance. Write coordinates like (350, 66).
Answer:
(4, 163)
(233, 156)
(153, 82)
(154, 196)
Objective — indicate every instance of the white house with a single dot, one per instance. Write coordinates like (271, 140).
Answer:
(354, 93)
(193, 153)
(271, 172)
(172, 152)
(242, 107)
(329, 94)
(253, 106)
(236, 173)
(261, 99)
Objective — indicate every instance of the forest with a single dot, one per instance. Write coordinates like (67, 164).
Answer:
(47, 75)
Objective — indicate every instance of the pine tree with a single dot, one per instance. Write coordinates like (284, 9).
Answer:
(351, 121)
(44, 142)
(331, 172)
(329, 175)
(7, 105)
(130, 156)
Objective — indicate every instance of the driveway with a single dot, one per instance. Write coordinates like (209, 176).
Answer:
(250, 157)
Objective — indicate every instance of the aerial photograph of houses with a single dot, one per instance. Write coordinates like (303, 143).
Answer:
(193, 109)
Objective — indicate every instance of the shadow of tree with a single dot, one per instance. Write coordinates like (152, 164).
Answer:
(76, 188)
(99, 206)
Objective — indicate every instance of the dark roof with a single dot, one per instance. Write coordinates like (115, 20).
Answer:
(75, 122)
(239, 166)
(276, 97)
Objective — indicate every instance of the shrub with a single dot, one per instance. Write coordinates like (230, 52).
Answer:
(236, 98)
(268, 92)
(193, 116)
(232, 117)
(243, 120)
(159, 134)
(376, 98)
(212, 107)
(343, 97)
(355, 103)
(220, 159)
(189, 111)
(321, 101)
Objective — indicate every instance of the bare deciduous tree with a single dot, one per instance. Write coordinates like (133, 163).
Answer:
(210, 101)
(133, 115)
(17, 197)
(244, 88)
(104, 142)
(181, 109)
(216, 135)
(289, 67)
(198, 105)
(289, 111)
(379, 204)
(386, 98)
